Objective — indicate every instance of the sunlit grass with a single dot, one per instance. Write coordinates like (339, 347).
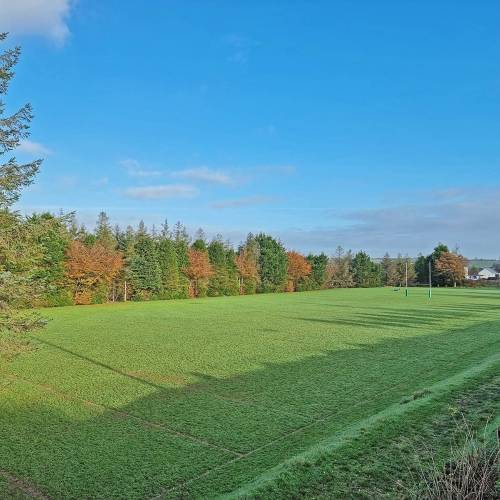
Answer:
(142, 399)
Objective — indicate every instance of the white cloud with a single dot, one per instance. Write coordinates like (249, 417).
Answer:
(204, 174)
(33, 148)
(465, 217)
(135, 169)
(244, 202)
(101, 182)
(36, 17)
(162, 191)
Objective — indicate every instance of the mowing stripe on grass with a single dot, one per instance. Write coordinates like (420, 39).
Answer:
(148, 423)
(338, 440)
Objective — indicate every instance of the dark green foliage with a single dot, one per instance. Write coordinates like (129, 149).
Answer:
(199, 244)
(318, 277)
(224, 281)
(16, 252)
(437, 278)
(169, 270)
(422, 269)
(51, 237)
(144, 269)
(366, 273)
(13, 128)
(272, 263)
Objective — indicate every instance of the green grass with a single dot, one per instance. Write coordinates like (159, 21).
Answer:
(206, 397)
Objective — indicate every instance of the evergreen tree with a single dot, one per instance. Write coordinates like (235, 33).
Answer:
(169, 269)
(15, 288)
(181, 241)
(52, 238)
(365, 272)
(273, 264)
(13, 175)
(144, 268)
(389, 275)
(319, 275)
(224, 280)
(438, 279)
(341, 275)
(422, 269)
(103, 232)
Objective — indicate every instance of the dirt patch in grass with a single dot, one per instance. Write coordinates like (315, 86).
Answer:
(17, 484)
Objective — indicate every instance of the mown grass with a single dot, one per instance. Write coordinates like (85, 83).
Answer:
(200, 398)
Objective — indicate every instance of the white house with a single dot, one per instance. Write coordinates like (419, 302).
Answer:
(487, 273)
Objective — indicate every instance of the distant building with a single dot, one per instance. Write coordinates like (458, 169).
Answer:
(487, 274)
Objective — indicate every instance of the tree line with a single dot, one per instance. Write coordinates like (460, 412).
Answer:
(66, 264)
(48, 260)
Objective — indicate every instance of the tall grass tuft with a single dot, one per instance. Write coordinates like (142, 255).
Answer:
(472, 473)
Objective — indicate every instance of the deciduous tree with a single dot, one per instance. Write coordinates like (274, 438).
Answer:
(198, 271)
(298, 269)
(91, 270)
(247, 265)
(451, 268)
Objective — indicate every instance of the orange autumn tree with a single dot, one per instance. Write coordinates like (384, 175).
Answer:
(451, 267)
(91, 271)
(248, 271)
(198, 272)
(298, 268)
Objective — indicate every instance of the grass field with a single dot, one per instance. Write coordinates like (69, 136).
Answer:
(200, 398)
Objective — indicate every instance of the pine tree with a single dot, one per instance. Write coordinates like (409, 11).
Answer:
(13, 178)
(365, 272)
(169, 269)
(103, 232)
(144, 268)
(340, 271)
(224, 280)
(273, 264)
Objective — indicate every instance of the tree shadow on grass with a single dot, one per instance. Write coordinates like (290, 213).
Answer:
(74, 448)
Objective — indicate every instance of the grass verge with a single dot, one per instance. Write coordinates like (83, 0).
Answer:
(403, 456)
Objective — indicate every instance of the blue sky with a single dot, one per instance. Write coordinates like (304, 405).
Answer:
(371, 125)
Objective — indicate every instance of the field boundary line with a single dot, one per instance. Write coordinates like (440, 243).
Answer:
(261, 407)
(131, 416)
(336, 440)
(23, 485)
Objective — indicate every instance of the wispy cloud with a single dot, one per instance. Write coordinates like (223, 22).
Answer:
(101, 182)
(33, 148)
(136, 169)
(244, 202)
(466, 217)
(34, 17)
(162, 191)
(204, 174)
